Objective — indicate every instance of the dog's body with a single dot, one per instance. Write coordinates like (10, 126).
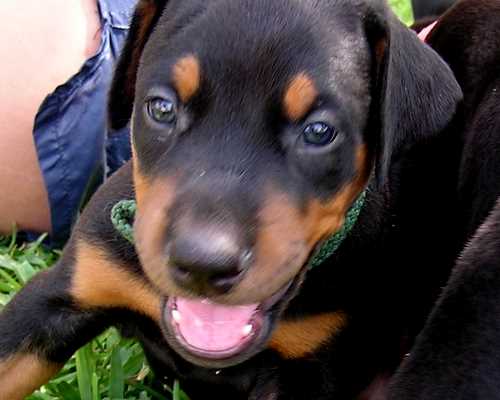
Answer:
(430, 8)
(236, 187)
(458, 353)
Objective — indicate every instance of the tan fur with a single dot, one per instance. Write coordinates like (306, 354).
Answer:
(98, 282)
(141, 183)
(287, 236)
(280, 250)
(325, 218)
(151, 221)
(186, 77)
(299, 97)
(297, 339)
(22, 374)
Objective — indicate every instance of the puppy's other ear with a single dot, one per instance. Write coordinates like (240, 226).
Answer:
(121, 96)
(416, 91)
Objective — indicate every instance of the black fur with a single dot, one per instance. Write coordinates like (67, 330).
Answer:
(457, 355)
(123, 86)
(430, 8)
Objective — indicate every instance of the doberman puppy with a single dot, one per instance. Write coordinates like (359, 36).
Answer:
(256, 126)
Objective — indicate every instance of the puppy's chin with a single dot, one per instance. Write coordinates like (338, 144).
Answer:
(214, 335)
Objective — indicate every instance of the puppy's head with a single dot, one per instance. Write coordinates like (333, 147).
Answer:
(256, 124)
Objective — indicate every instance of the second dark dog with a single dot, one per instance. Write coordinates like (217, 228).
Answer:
(457, 355)
(430, 8)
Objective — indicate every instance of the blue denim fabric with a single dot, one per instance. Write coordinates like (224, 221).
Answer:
(73, 147)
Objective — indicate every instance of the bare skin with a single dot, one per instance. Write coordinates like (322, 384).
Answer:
(43, 44)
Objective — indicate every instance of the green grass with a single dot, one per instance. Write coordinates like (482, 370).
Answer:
(403, 10)
(108, 368)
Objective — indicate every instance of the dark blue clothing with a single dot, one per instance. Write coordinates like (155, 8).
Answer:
(74, 150)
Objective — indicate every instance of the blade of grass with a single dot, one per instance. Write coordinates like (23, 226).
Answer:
(4, 287)
(25, 272)
(156, 395)
(41, 396)
(176, 391)
(96, 395)
(67, 391)
(13, 240)
(64, 378)
(116, 378)
(4, 299)
(403, 9)
(10, 280)
(84, 372)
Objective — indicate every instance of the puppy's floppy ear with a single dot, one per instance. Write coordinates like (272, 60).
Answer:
(121, 96)
(416, 91)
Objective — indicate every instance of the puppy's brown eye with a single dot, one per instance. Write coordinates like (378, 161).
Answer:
(319, 134)
(162, 110)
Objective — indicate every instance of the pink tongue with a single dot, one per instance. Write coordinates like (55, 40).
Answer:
(212, 327)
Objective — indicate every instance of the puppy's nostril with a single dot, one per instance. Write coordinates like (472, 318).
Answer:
(224, 282)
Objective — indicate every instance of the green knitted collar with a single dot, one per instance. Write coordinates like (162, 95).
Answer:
(123, 212)
(330, 246)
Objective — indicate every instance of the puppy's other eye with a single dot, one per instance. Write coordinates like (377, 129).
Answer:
(162, 110)
(319, 134)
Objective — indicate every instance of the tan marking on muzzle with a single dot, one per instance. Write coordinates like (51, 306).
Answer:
(151, 221)
(141, 182)
(324, 219)
(279, 251)
(98, 282)
(286, 236)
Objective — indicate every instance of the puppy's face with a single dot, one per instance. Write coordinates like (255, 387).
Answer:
(251, 140)
(248, 133)
(248, 137)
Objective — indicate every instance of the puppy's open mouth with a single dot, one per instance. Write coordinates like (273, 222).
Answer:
(218, 336)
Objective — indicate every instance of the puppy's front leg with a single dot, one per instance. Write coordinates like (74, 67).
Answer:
(39, 330)
(62, 309)
(457, 355)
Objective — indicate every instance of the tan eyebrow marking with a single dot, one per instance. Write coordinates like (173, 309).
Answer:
(300, 95)
(186, 77)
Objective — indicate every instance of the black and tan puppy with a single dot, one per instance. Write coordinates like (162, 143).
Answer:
(256, 125)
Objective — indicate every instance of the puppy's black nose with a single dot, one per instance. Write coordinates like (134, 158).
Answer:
(206, 258)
